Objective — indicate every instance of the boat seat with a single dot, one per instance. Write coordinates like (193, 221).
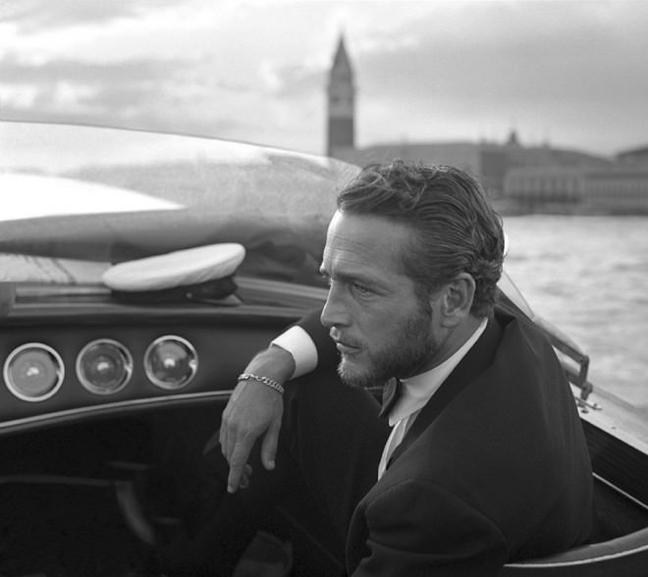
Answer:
(621, 556)
(625, 556)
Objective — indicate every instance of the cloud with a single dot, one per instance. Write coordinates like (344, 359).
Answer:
(558, 69)
(69, 87)
(135, 70)
(527, 50)
(144, 92)
(292, 80)
(174, 95)
(33, 15)
(424, 71)
(115, 84)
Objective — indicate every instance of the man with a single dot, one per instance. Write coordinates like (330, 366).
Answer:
(486, 460)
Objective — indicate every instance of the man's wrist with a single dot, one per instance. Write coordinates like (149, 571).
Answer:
(275, 385)
(272, 363)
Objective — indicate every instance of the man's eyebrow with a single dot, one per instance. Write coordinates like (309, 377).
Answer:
(349, 277)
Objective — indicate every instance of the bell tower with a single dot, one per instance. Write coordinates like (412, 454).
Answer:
(341, 102)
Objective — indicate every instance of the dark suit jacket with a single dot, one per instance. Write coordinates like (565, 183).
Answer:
(495, 468)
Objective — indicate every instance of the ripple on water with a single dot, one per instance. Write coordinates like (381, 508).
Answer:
(589, 276)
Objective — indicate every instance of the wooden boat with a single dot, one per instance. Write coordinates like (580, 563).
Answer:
(101, 393)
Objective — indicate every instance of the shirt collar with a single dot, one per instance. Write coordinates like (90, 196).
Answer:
(417, 390)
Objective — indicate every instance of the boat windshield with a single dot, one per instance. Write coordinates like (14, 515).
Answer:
(101, 195)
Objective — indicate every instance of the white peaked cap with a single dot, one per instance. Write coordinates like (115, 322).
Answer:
(175, 269)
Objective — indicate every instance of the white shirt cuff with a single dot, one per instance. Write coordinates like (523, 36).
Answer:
(302, 348)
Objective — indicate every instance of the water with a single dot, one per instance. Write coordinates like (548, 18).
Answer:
(589, 276)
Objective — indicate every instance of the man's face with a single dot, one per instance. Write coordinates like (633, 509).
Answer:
(378, 322)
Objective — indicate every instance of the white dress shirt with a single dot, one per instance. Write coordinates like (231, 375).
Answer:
(416, 392)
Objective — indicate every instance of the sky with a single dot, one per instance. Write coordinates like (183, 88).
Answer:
(573, 74)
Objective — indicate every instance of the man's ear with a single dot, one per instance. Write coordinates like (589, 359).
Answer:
(457, 299)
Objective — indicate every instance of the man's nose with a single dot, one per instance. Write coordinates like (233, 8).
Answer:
(334, 312)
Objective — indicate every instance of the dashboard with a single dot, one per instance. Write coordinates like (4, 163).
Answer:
(73, 362)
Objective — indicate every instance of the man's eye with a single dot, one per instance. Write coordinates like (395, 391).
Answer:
(361, 289)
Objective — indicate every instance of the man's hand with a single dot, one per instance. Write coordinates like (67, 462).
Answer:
(254, 410)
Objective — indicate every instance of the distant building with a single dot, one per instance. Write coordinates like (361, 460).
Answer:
(498, 160)
(617, 190)
(548, 185)
(584, 190)
(634, 156)
(517, 177)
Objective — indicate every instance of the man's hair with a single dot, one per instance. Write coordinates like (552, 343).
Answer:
(456, 229)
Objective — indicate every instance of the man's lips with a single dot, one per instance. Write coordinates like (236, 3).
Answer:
(345, 349)
(345, 346)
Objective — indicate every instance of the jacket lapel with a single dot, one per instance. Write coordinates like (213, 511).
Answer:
(476, 361)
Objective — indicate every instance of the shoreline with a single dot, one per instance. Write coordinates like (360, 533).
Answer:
(509, 207)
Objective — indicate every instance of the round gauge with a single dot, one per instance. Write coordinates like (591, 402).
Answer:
(33, 372)
(170, 362)
(104, 366)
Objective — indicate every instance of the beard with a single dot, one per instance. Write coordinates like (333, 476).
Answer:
(411, 345)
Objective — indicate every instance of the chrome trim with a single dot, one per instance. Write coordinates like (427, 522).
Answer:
(147, 365)
(580, 562)
(45, 479)
(128, 365)
(151, 402)
(621, 492)
(58, 364)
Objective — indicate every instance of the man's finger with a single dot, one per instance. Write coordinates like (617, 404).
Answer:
(237, 464)
(223, 437)
(212, 443)
(245, 478)
(269, 445)
(229, 433)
